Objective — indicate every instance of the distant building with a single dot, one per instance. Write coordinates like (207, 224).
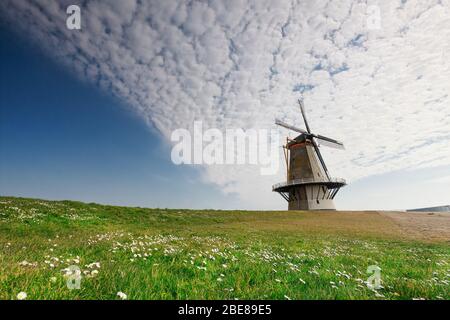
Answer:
(432, 209)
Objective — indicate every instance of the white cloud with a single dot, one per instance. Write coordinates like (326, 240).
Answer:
(238, 63)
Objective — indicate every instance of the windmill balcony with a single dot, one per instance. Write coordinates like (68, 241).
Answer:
(331, 183)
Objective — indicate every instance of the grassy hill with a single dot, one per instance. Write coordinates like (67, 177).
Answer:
(206, 254)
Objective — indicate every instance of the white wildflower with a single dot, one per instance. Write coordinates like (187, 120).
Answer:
(21, 295)
(24, 263)
(122, 295)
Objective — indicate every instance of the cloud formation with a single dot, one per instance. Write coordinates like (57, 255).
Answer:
(374, 74)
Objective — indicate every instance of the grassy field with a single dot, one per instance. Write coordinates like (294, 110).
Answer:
(189, 254)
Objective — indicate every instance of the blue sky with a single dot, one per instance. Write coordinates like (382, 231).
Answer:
(61, 138)
(88, 114)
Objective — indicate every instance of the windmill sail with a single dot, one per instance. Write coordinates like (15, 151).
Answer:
(288, 126)
(319, 155)
(302, 109)
(322, 140)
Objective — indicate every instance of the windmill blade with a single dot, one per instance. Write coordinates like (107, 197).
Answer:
(329, 142)
(288, 126)
(319, 155)
(302, 109)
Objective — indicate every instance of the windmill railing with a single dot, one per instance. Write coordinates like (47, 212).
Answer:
(331, 182)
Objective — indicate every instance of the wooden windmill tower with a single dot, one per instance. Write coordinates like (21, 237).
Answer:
(308, 185)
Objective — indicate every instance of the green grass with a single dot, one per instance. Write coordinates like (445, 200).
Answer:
(189, 254)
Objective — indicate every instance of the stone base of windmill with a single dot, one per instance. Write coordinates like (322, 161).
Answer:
(322, 204)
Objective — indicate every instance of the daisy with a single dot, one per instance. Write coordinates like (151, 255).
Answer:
(122, 295)
(21, 295)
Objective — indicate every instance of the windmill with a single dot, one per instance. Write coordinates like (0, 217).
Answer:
(308, 185)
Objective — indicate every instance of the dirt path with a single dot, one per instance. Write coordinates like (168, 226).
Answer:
(434, 226)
